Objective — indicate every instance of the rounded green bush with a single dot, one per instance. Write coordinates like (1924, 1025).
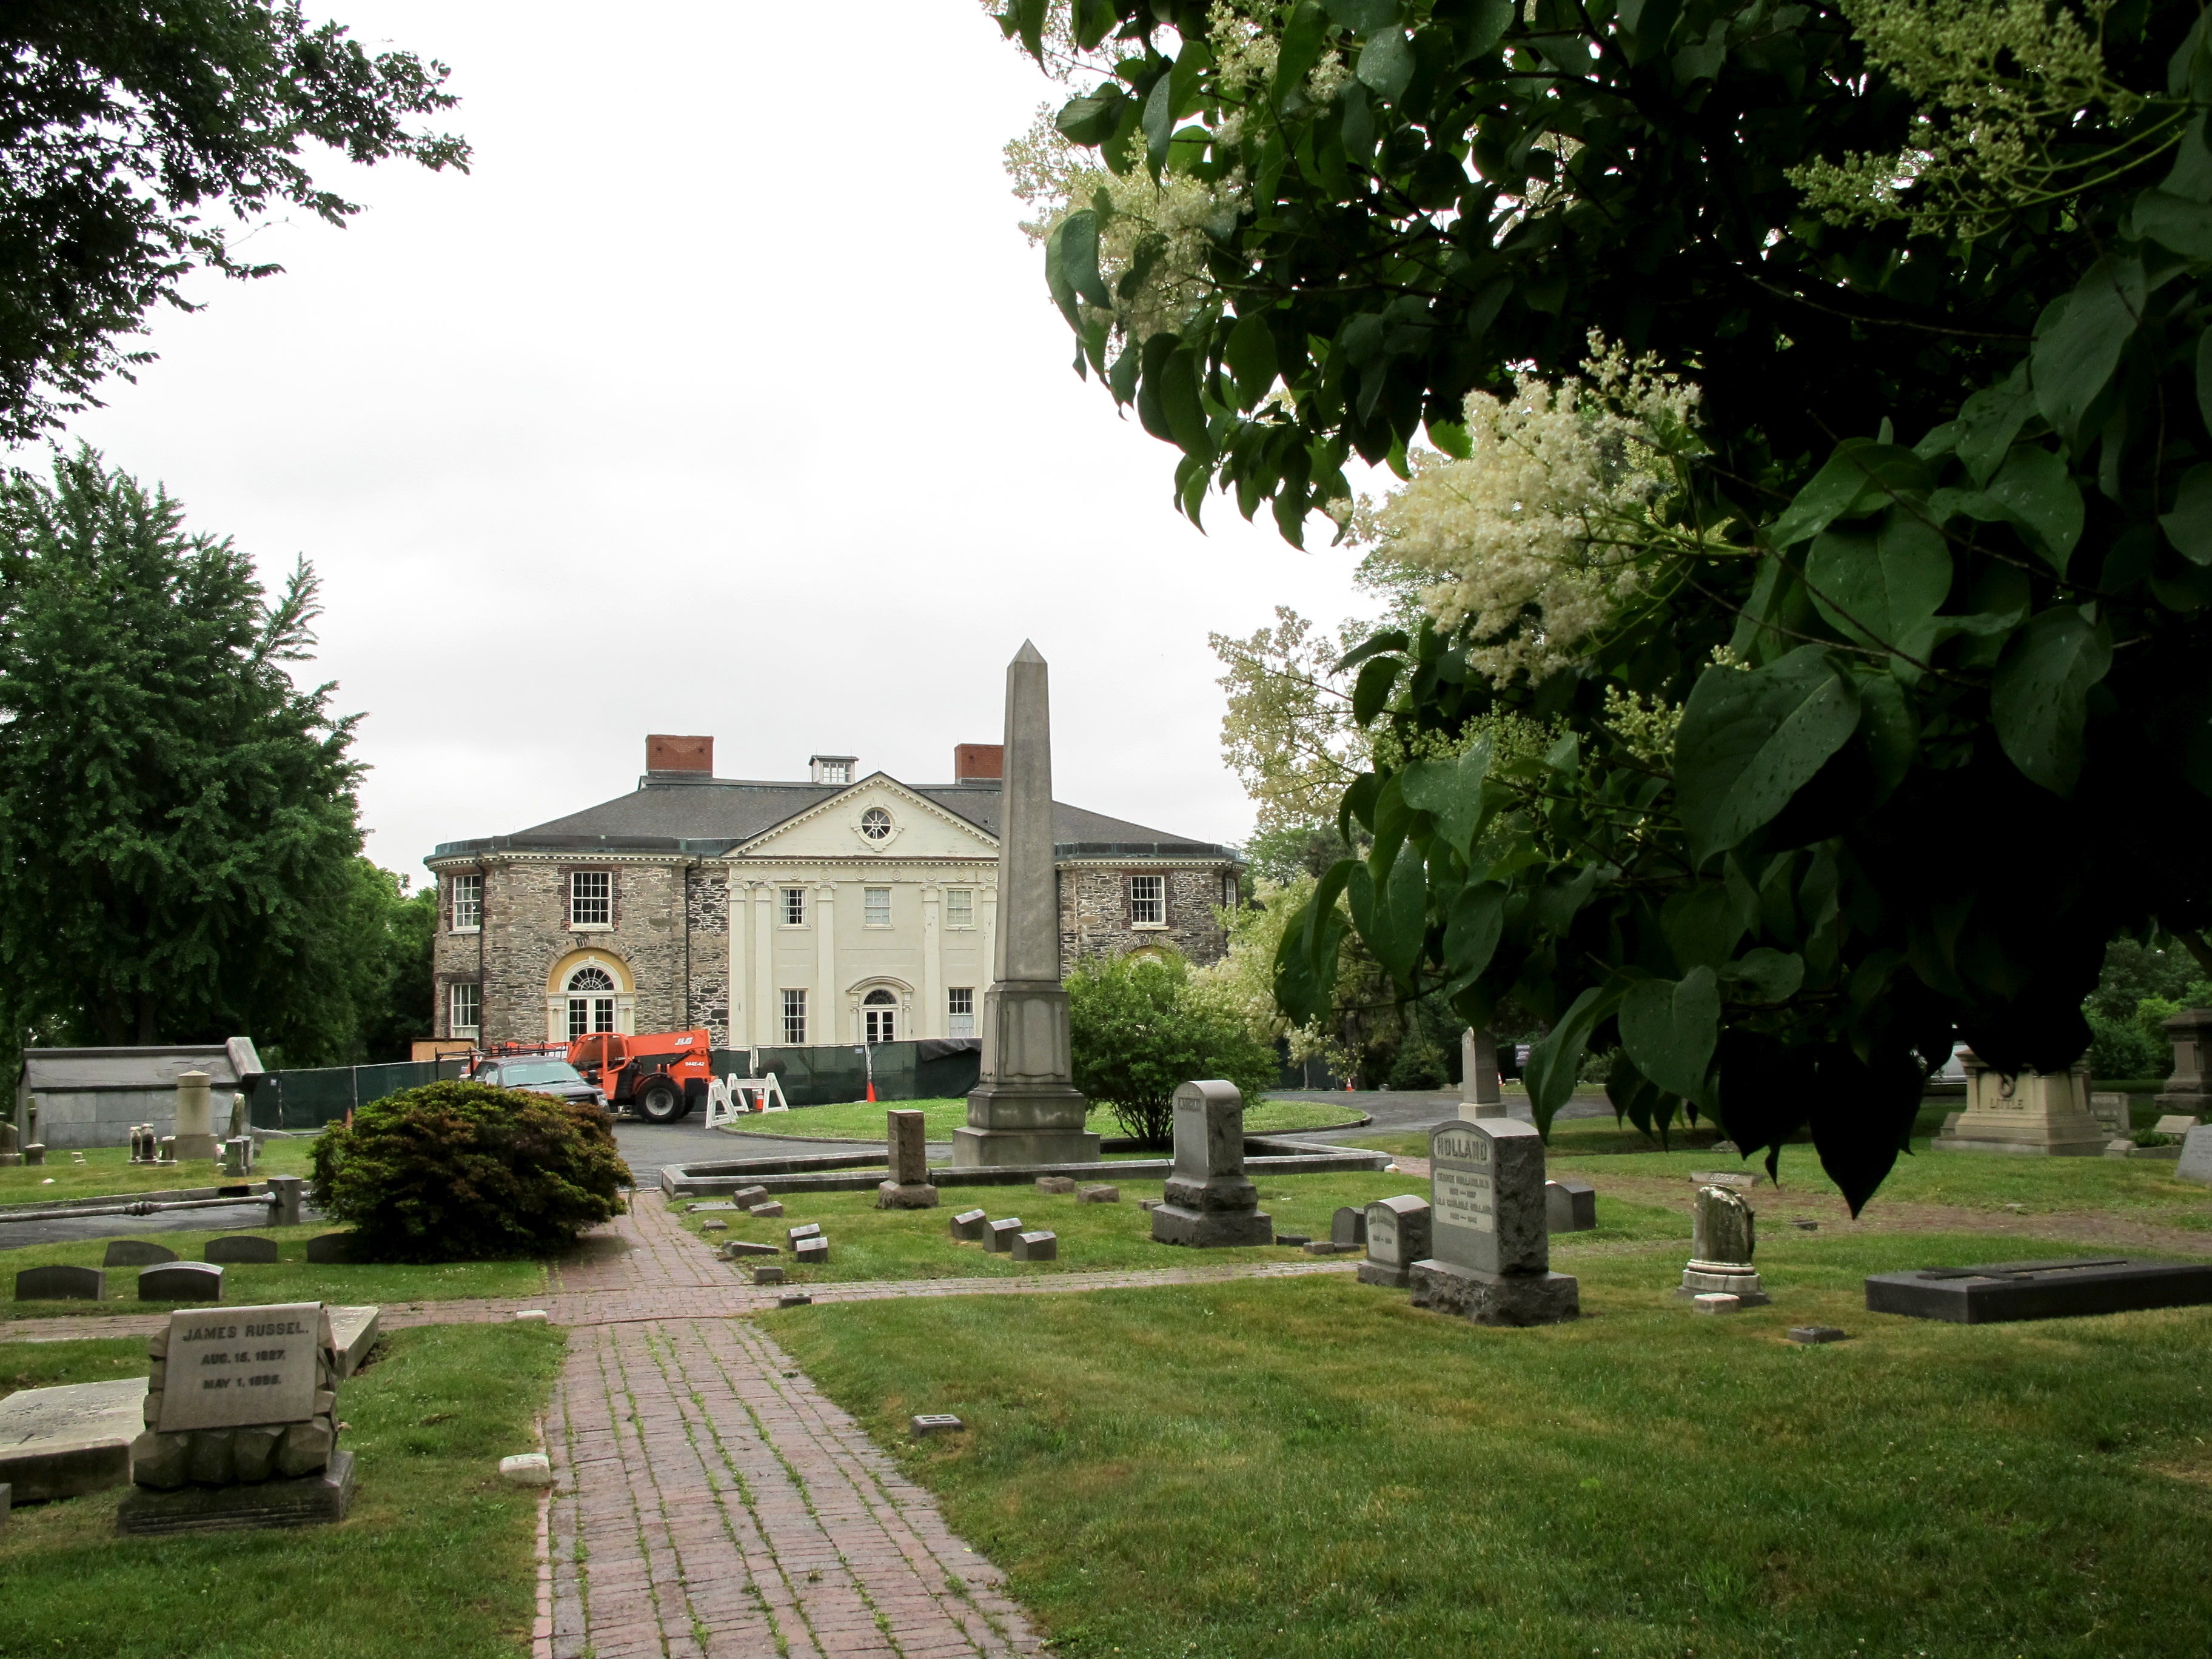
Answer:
(463, 1172)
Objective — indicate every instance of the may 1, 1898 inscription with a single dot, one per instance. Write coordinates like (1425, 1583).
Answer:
(231, 1367)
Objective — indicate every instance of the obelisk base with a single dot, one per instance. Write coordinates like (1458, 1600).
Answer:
(1023, 1123)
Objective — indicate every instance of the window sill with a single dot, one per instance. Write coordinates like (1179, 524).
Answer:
(1148, 926)
(879, 927)
(478, 929)
(590, 928)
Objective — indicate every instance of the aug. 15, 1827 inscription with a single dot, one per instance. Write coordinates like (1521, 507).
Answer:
(234, 1366)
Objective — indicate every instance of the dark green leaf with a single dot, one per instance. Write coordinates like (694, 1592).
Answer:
(1451, 791)
(1669, 1027)
(1251, 357)
(1889, 730)
(1092, 118)
(1703, 924)
(2033, 488)
(1555, 1060)
(2204, 376)
(1386, 63)
(2039, 698)
(1372, 688)
(2174, 221)
(1989, 422)
(2079, 340)
(2188, 526)
(1750, 740)
(1765, 974)
(1473, 930)
(1363, 16)
(1861, 476)
(1304, 35)
(1881, 588)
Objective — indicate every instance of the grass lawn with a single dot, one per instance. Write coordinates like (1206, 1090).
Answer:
(1310, 1466)
(860, 1120)
(436, 1557)
(292, 1278)
(109, 1170)
(866, 1242)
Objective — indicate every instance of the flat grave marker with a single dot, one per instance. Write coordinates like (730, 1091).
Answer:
(2071, 1287)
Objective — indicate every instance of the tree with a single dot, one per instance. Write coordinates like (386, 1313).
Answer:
(1141, 1027)
(390, 933)
(177, 819)
(124, 123)
(1821, 456)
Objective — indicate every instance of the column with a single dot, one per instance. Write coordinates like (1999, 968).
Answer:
(767, 999)
(824, 1021)
(740, 1003)
(929, 1020)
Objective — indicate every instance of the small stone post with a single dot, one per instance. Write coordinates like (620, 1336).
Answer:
(1479, 1095)
(908, 1187)
(285, 1194)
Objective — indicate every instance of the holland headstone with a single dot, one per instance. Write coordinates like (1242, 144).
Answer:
(1492, 1262)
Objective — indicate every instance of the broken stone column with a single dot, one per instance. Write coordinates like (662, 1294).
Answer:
(1721, 1242)
(908, 1187)
(1025, 1108)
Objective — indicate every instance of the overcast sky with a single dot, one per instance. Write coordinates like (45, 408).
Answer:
(723, 395)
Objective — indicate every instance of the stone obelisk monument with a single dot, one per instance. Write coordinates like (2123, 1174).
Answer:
(1025, 1108)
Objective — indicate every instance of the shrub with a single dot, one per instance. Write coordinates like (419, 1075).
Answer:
(1142, 1027)
(462, 1171)
(2124, 1049)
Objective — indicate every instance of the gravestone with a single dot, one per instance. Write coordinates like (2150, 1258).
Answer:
(2064, 1289)
(2034, 1115)
(999, 1236)
(968, 1224)
(1348, 1225)
(2189, 1089)
(746, 1197)
(238, 1156)
(909, 1187)
(1570, 1207)
(812, 1251)
(1098, 1195)
(1208, 1201)
(60, 1284)
(768, 1211)
(34, 1155)
(195, 1137)
(2195, 1163)
(12, 1152)
(353, 1333)
(769, 1272)
(1722, 1238)
(736, 1247)
(164, 1150)
(327, 1248)
(1716, 1302)
(2174, 1123)
(241, 1247)
(2114, 1112)
(241, 1415)
(65, 1442)
(1035, 1247)
(1491, 1261)
(287, 1196)
(805, 1229)
(1398, 1236)
(714, 1224)
(1061, 1184)
(1025, 1108)
(137, 1253)
(180, 1281)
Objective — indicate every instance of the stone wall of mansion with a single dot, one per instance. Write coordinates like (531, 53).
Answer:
(773, 914)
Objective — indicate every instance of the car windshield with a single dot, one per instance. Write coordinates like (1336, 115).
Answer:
(539, 1070)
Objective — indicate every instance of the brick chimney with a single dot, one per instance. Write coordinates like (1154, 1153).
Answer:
(978, 762)
(685, 757)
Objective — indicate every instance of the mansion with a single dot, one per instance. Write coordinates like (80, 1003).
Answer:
(841, 909)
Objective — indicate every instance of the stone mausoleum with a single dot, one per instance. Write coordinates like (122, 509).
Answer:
(836, 910)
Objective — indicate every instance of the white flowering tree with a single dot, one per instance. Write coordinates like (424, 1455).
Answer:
(1820, 403)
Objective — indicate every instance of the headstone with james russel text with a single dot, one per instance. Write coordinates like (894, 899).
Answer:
(238, 1366)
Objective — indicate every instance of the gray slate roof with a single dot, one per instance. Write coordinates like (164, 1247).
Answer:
(708, 818)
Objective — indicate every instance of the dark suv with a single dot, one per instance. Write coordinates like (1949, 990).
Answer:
(557, 1077)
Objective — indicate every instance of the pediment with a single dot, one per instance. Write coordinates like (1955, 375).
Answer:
(836, 829)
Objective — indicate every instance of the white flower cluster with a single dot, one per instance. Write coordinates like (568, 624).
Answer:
(1246, 39)
(1535, 537)
(1166, 227)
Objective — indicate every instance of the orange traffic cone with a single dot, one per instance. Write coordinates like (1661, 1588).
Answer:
(871, 1091)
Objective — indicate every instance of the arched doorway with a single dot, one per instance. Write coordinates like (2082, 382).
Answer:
(879, 1016)
(589, 991)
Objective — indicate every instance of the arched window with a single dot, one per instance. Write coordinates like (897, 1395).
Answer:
(876, 823)
(879, 1011)
(591, 991)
